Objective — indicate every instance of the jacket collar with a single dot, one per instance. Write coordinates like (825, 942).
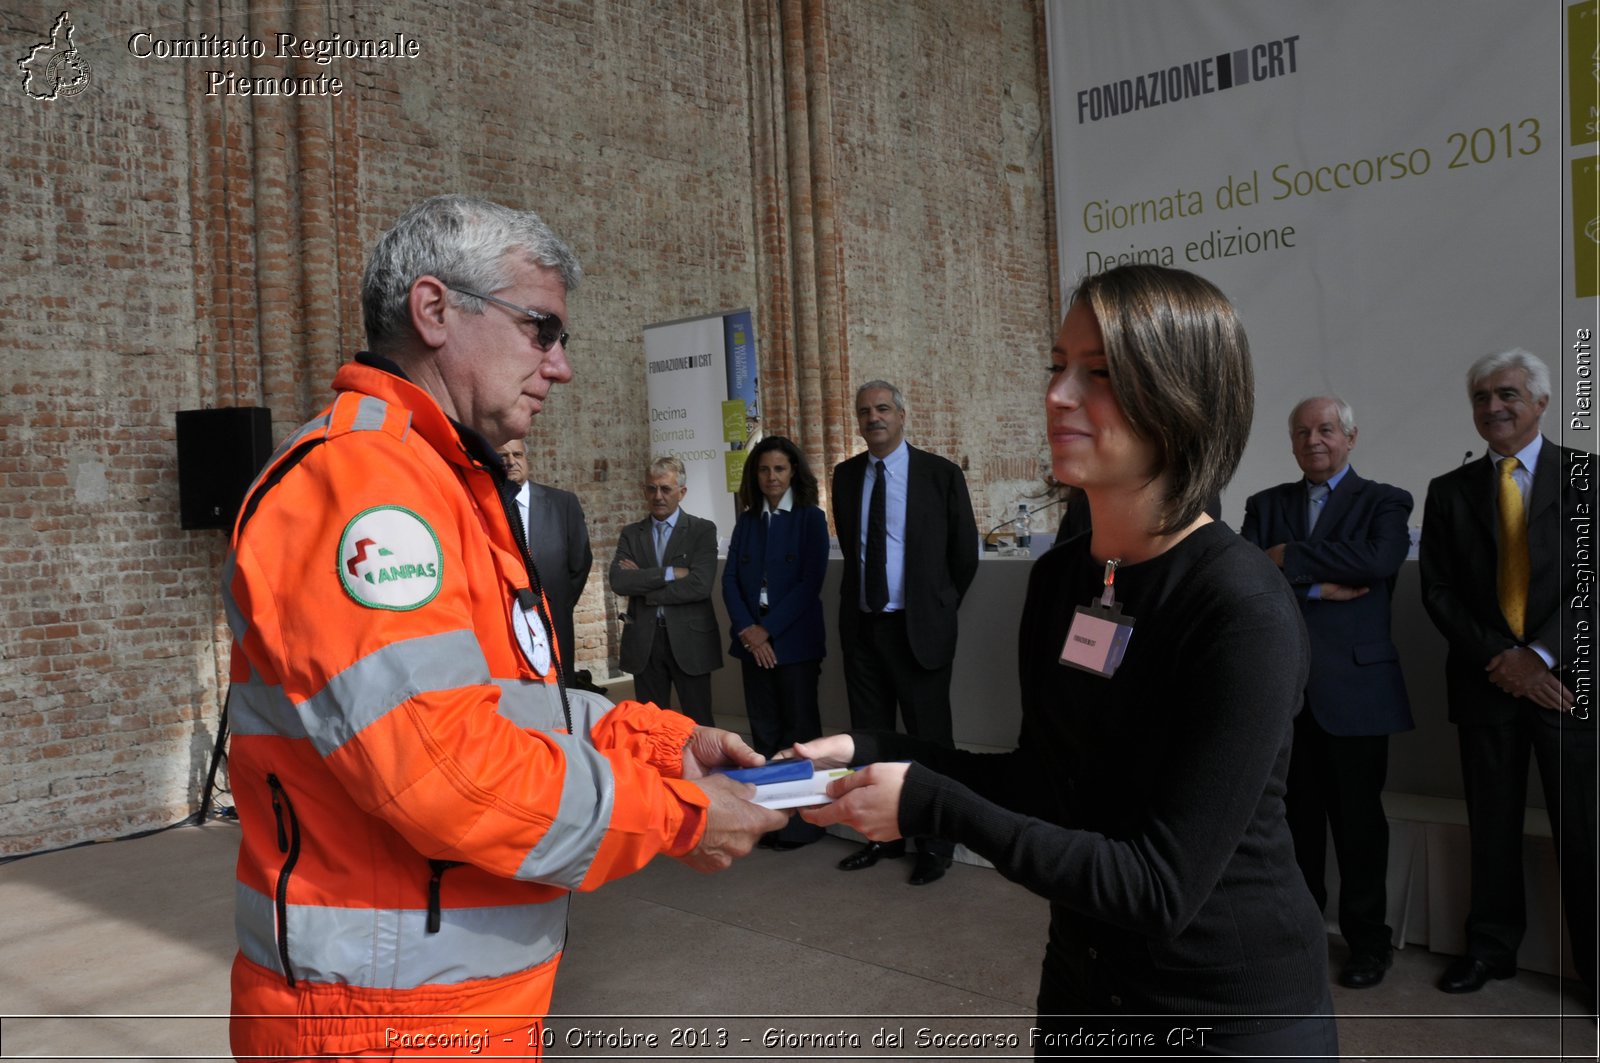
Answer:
(377, 375)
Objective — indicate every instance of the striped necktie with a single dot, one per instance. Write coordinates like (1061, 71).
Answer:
(1316, 497)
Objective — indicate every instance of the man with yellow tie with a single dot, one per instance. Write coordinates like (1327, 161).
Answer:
(1507, 567)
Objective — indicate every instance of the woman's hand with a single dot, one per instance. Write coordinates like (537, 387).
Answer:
(834, 751)
(867, 800)
(758, 641)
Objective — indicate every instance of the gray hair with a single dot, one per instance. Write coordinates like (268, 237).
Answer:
(1347, 416)
(668, 463)
(1516, 358)
(462, 241)
(882, 385)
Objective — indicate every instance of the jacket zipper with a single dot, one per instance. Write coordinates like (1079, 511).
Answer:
(288, 843)
(435, 887)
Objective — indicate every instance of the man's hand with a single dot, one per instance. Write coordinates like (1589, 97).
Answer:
(1275, 554)
(867, 800)
(627, 563)
(1340, 592)
(679, 572)
(710, 748)
(1521, 673)
(834, 751)
(733, 824)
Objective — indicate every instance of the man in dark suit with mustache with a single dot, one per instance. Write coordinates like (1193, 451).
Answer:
(910, 545)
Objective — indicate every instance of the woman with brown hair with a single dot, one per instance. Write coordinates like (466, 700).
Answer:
(772, 586)
(1162, 662)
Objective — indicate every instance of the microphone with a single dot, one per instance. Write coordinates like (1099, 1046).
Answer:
(1466, 458)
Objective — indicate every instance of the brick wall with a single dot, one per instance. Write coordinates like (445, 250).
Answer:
(172, 250)
(107, 666)
(941, 126)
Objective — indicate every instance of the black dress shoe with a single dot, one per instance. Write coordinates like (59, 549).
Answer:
(930, 868)
(871, 853)
(1363, 970)
(1468, 974)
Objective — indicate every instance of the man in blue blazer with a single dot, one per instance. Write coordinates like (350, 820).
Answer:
(1340, 541)
(898, 598)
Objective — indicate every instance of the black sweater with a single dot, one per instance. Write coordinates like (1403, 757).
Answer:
(1148, 807)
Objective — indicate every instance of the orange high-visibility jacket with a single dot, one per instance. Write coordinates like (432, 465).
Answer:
(414, 813)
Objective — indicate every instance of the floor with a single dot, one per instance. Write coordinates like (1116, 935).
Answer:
(121, 951)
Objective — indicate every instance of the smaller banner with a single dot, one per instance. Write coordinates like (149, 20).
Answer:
(700, 381)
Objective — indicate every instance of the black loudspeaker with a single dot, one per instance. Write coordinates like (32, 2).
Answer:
(219, 453)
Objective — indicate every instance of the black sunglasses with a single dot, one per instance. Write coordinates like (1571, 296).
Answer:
(549, 330)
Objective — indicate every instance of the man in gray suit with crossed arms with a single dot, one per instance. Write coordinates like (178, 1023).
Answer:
(667, 564)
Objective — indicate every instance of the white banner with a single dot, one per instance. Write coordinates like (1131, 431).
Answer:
(1377, 185)
(686, 382)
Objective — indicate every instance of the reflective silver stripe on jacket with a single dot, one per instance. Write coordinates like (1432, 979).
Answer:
(588, 790)
(257, 708)
(370, 412)
(533, 706)
(361, 694)
(387, 677)
(587, 708)
(391, 948)
(370, 688)
(237, 623)
(563, 855)
(537, 705)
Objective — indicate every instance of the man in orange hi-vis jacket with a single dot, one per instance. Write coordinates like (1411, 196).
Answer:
(419, 791)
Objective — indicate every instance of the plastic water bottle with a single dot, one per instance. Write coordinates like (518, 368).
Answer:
(1024, 534)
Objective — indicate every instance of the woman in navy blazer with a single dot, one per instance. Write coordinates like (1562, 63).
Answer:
(772, 586)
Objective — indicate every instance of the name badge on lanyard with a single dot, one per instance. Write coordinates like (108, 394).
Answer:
(532, 638)
(1100, 632)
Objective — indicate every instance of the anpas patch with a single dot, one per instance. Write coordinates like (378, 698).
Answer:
(390, 559)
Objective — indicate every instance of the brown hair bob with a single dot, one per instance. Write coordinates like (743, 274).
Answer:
(1180, 368)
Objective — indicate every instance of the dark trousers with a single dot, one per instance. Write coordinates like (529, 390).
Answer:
(1494, 766)
(881, 674)
(1336, 782)
(655, 682)
(781, 703)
